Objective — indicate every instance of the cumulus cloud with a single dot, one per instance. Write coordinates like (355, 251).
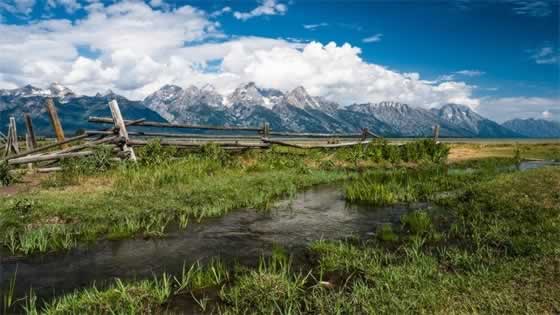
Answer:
(373, 39)
(338, 73)
(267, 7)
(153, 47)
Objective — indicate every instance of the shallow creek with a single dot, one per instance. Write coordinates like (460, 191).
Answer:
(242, 236)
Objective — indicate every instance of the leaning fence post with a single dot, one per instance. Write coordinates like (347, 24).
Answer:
(436, 133)
(119, 123)
(55, 121)
(15, 143)
(365, 133)
(30, 131)
(29, 146)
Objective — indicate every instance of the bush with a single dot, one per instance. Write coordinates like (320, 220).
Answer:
(5, 177)
(153, 153)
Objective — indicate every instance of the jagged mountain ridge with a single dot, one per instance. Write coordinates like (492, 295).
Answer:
(535, 128)
(250, 105)
(73, 110)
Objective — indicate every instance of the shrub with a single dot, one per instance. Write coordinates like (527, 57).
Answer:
(153, 153)
(5, 177)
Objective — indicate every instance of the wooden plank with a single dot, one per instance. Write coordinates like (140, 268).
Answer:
(89, 144)
(175, 135)
(178, 143)
(315, 135)
(55, 121)
(30, 130)
(49, 146)
(105, 120)
(121, 125)
(48, 157)
(322, 146)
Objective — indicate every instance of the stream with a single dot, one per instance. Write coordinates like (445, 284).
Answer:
(241, 236)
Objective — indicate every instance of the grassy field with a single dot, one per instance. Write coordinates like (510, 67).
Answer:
(491, 244)
(492, 248)
(93, 199)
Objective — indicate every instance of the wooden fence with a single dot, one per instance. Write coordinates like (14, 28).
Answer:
(238, 138)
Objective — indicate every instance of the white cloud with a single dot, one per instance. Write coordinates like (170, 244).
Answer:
(220, 12)
(338, 73)
(471, 73)
(546, 55)
(506, 108)
(137, 49)
(69, 6)
(18, 7)
(314, 26)
(547, 114)
(373, 39)
(267, 7)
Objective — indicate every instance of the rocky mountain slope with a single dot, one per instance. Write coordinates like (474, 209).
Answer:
(534, 128)
(73, 110)
(250, 105)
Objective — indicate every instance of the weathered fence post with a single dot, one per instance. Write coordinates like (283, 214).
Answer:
(266, 129)
(30, 131)
(13, 127)
(29, 146)
(55, 121)
(119, 123)
(365, 133)
(436, 133)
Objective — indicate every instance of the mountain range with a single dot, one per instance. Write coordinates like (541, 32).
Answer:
(250, 105)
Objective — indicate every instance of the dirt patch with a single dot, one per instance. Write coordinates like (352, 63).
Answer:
(25, 184)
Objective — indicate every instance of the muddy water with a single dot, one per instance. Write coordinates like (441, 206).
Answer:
(242, 236)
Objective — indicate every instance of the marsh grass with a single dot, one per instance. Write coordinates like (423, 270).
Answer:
(8, 294)
(498, 253)
(423, 183)
(94, 198)
(273, 287)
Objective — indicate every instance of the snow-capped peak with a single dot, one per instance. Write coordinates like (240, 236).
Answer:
(299, 97)
(250, 95)
(58, 90)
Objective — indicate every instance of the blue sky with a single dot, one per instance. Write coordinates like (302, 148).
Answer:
(501, 57)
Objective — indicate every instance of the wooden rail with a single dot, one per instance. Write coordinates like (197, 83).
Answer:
(106, 120)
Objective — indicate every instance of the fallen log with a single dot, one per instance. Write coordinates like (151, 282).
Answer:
(48, 157)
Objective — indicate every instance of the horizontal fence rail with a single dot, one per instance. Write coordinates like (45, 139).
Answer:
(122, 142)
